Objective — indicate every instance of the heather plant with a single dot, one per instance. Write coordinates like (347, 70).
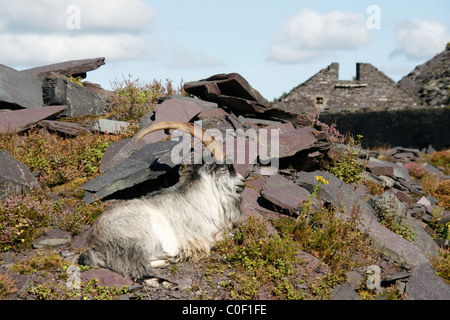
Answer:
(334, 134)
(22, 218)
(133, 98)
(58, 160)
(416, 170)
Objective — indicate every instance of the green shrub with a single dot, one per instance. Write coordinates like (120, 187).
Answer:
(347, 166)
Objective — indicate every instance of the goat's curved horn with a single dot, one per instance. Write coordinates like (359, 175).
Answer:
(199, 133)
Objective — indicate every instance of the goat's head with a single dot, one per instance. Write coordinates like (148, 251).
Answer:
(224, 175)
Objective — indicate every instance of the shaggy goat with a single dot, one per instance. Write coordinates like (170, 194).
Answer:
(174, 224)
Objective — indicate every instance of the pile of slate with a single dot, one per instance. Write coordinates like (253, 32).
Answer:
(31, 97)
(276, 183)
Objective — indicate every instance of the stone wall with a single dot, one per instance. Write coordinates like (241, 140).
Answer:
(415, 128)
(371, 90)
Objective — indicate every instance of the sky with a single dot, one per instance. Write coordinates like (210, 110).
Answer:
(275, 45)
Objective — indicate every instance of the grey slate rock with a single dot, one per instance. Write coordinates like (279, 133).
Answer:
(110, 126)
(19, 90)
(15, 177)
(52, 238)
(81, 101)
(284, 193)
(344, 292)
(424, 284)
(148, 163)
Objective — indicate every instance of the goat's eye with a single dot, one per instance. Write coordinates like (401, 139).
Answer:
(223, 170)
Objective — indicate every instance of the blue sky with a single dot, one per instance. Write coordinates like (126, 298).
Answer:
(275, 45)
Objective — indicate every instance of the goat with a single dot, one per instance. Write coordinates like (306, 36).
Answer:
(174, 224)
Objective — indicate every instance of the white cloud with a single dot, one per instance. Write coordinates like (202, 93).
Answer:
(34, 49)
(98, 15)
(35, 31)
(310, 34)
(181, 58)
(419, 39)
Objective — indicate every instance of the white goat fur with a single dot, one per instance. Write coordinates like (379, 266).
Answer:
(176, 223)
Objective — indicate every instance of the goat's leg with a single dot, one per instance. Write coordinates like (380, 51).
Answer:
(164, 262)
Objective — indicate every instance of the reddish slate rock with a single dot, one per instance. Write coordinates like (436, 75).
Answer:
(20, 120)
(233, 91)
(284, 193)
(404, 197)
(250, 207)
(171, 110)
(295, 141)
(106, 278)
(19, 90)
(67, 68)
(244, 154)
(98, 89)
(228, 85)
(284, 127)
(257, 183)
(68, 128)
(380, 168)
(212, 113)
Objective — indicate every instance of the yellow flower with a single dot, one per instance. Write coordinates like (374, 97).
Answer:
(322, 180)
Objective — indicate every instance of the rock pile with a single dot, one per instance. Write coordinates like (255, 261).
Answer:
(277, 182)
(430, 81)
(32, 95)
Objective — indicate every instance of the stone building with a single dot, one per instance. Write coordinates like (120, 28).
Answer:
(371, 90)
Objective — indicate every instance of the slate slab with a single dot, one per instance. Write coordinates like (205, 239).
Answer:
(106, 278)
(20, 120)
(67, 68)
(344, 291)
(243, 152)
(65, 128)
(175, 109)
(284, 193)
(19, 90)
(424, 284)
(296, 141)
(80, 101)
(110, 126)
(52, 238)
(15, 177)
(148, 163)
